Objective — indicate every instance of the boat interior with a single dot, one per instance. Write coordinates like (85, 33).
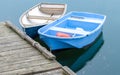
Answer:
(74, 26)
(43, 14)
(46, 12)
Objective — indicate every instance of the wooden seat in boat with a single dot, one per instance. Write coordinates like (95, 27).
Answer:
(56, 9)
(41, 17)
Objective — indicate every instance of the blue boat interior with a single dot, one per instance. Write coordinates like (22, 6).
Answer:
(74, 24)
(72, 27)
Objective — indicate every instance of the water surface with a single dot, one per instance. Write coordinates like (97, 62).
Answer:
(106, 60)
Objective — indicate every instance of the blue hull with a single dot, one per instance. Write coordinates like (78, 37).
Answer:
(56, 44)
(83, 28)
(32, 31)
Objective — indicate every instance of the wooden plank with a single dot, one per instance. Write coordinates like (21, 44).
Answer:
(25, 64)
(8, 43)
(12, 44)
(21, 60)
(18, 57)
(30, 65)
(17, 51)
(26, 49)
(17, 46)
(3, 28)
(29, 70)
(8, 38)
(43, 68)
(53, 72)
(3, 31)
(4, 34)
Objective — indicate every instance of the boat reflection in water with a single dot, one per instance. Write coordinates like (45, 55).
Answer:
(77, 58)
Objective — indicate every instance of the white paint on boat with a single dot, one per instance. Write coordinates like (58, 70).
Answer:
(42, 14)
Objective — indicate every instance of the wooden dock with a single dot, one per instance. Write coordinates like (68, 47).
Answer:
(20, 55)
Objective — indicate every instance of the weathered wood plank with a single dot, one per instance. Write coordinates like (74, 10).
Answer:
(43, 68)
(53, 72)
(25, 64)
(4, 33)
(34, 65)
(32, 69)
(20, 57)
(17, 54)
(15, 37)
(10, 43)
(9, 39)
(22, 60)
(17, 51)
(30, 59)
(13, 44)
(17, 46)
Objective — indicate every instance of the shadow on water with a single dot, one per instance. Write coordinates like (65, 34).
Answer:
(77, 58)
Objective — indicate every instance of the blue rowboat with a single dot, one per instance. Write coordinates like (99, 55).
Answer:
(40, 15)
(74, 30)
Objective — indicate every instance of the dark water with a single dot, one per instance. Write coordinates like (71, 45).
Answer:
(103, 57)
